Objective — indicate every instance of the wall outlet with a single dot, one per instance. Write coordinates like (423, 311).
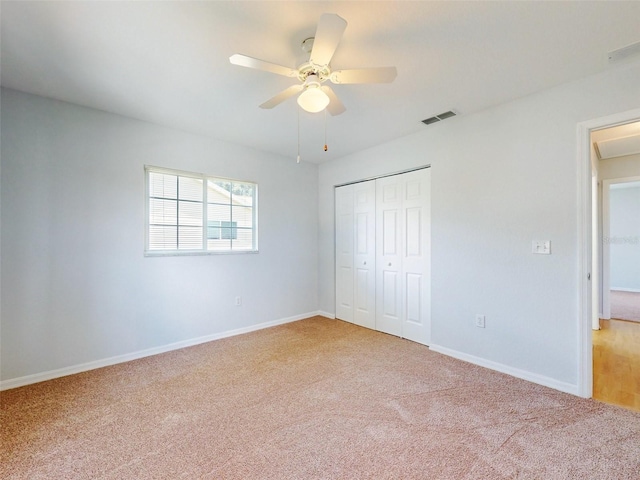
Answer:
(238, 301)
(480, 321)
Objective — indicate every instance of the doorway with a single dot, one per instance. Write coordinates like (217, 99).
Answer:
(589, 247)
(612, 259)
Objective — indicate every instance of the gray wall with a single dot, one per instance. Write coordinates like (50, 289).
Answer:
(76, 287)
(624, 227)
(500, 179)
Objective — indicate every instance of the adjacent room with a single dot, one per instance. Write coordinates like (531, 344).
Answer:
(298, 240)
(616, 256)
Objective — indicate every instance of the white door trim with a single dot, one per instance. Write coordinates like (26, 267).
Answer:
(585, 345)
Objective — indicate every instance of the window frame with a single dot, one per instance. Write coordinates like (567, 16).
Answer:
(205, 222)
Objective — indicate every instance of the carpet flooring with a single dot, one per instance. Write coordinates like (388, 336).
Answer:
(625, 305)
(314, 399)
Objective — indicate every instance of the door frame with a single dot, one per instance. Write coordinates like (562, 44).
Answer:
(585, 244)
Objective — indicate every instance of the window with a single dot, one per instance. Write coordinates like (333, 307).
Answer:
(192, 213)
(224, 230)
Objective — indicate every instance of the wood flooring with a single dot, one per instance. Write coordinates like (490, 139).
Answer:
(616, 363)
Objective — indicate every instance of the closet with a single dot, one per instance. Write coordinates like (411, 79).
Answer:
(383, 254)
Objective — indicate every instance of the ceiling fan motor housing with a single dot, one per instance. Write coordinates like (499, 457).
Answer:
(307, 68)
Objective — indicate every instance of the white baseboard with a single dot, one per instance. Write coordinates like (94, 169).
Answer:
(63, 372)
(327, 315)
(514, 372)
(620, 289)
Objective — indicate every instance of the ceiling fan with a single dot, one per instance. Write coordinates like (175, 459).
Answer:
(312, 73)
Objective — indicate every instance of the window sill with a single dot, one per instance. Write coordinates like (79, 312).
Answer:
(191, 253)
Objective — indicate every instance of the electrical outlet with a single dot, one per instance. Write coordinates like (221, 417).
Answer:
(238, 301)
(480, 321)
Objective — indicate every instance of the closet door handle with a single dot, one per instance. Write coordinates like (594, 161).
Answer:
(389, 263)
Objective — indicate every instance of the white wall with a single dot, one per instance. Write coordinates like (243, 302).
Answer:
(76, 285)
(624, 228)
(500, 179)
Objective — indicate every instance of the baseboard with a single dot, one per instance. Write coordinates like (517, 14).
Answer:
(84, 367)
(514, 372)
(620, 289)
(327, 315)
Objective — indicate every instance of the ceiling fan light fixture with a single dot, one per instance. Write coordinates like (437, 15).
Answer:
(313, 100)
(315, 69)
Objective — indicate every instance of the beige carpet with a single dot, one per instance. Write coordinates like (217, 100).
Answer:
(625, 306)
(315, 399)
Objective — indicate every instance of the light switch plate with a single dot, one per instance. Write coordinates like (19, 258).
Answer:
(541, 247)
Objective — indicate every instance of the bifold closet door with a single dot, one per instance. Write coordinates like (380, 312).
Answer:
(389, 255)
(383, 254)
(403, 252)
(355, 253)
(344, 252)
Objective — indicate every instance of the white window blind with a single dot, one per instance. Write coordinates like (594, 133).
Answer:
(193, 213)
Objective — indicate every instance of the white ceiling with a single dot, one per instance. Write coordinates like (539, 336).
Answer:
(167, 62)
(618, 141)
(622, 186)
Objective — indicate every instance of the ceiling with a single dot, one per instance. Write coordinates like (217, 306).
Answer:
(618, 141)
(167, 62)
(623, 186)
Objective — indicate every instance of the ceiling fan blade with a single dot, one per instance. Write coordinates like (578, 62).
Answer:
(328, 36)
(282, 96)
(244, 61)
(335, 106)
(365, 75)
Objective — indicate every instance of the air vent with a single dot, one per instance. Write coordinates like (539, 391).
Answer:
(437, 118)
(624, 52)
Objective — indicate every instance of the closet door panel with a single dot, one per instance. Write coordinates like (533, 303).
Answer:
(388, 257)
(390, 287)
(355, 253)
(390, 232)
(414, 294)
(413, 237)
(416, 286)
(365, 253)
(344, 198)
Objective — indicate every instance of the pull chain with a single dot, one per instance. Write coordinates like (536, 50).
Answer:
(298, 158)
(325, 129)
